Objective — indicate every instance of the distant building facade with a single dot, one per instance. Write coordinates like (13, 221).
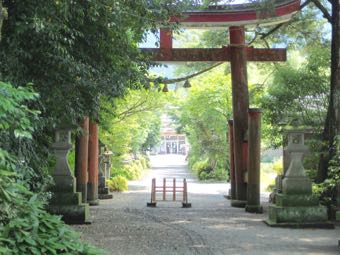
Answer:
(171, 141)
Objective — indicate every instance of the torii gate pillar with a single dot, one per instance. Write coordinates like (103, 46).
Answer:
(238, 62)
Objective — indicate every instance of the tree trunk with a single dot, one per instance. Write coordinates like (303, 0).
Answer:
(332, 123)
(336, 17)
(2, 16)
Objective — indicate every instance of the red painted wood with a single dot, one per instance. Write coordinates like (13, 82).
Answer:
(245, 158)
(92, 195)
(231, 160)
(254, 154)
(165, 36)
(238, 63)
(82, 159)
(284, 10)
(244, 16)
(212, 55)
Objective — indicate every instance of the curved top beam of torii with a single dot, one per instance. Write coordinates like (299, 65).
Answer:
(268, 13)
(221, 17)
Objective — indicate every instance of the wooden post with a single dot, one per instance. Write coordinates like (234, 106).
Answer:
(165, 35)
(174, 190)
(254, 153)
(231, 160)
(164, 187)
(92, 186)
(185, 198)
(153, 192)
(82, 144)
(240, 108)
(245, 158)
(185, 203)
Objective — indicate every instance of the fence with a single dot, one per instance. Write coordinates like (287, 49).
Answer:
(167, 188)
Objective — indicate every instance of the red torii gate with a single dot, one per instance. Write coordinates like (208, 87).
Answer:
(236, 17)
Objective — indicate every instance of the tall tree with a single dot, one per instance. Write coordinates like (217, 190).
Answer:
(73, 53)
(301, 33)
(332, 122)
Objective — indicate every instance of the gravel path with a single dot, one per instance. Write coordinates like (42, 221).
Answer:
(124, 225)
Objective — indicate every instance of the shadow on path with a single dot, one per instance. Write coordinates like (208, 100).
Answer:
(124, 225)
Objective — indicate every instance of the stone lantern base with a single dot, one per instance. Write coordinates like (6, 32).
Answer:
(103, 191)
(66, 202)
(297, 206)
(300, 211)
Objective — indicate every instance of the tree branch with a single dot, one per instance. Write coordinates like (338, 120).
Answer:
(324, 11)
(264, 35)
(169, 81)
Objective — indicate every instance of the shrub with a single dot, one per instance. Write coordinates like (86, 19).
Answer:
(278, 166)
(121, 171)
(220, 174)
(26, 228)
(132, 171)
(71, 159)
(327, 191)
(205, 171)
(144, 162)
(118, 183)
(267, 176)
(200, 166)
(139, 165)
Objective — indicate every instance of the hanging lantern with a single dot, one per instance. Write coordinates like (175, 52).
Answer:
(187, 84)
(165, 88)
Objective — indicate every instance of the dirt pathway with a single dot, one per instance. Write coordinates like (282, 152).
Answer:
(124, 225)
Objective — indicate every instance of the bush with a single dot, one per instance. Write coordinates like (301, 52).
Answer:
(145, 163)
(71, 159)
(121, 171)
(205, 171)
(220, 174)
(327, 191)
(278, 166)
(267, 176)
(26, 228)
(139, 165)
(201, 166)
(118, 183)
(133, 171)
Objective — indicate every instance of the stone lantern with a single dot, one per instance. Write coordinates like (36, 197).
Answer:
(107, 164)
(289, 135)
(65, 200)
(295, 179)
(104, 172)
(296, 206)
